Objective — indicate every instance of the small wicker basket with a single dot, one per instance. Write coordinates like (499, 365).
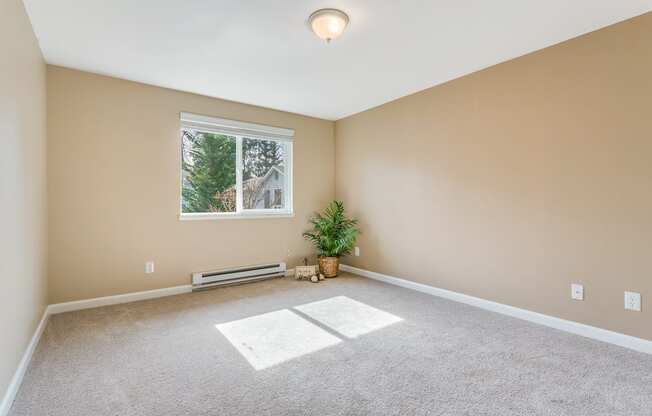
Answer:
(305, 272)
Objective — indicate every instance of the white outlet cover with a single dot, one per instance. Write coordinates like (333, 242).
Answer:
(357, 251)
(633, 301)
(149, 267)
(577, 291)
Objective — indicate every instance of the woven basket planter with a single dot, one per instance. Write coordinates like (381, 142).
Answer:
(329, 266)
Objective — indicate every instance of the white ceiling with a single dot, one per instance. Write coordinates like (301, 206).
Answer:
(261, 51)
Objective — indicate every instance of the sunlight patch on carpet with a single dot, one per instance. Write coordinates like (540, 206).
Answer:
(347, 316)
(272, 338)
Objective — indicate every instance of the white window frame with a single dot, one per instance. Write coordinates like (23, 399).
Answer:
(241, 130)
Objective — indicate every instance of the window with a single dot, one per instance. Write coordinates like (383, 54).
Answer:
(231, 169)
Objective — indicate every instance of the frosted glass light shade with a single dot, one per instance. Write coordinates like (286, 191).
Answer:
(328, 24)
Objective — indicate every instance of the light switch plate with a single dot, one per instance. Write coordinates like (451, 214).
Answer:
(577, 291)
(633, 301)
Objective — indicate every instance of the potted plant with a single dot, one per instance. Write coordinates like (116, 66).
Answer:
(333, 235)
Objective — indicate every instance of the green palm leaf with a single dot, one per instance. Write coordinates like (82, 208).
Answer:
(333, 234)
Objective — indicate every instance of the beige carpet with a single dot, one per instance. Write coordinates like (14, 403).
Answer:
(283, 347)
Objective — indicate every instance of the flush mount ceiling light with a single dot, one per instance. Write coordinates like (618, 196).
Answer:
(328, 24)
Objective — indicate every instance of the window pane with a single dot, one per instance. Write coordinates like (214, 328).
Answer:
(263, 174)
(208, 172)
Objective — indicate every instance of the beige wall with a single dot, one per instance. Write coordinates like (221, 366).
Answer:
(113, 166)
(23, 252)
(513, 182)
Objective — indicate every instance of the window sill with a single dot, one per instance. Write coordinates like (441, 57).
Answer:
(234, 216)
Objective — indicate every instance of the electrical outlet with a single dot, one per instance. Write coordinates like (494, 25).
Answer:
(577, 291)
(357, 251)
(149, 267)
(633, 301)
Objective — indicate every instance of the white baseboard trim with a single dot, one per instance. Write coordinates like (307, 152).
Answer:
(77, 305)
(616, 338)
(117, 299)
(17, 379)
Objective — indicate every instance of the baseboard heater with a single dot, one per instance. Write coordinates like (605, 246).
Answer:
(236, 275)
